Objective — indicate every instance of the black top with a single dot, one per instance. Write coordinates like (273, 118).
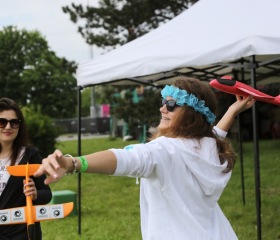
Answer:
(13, 196)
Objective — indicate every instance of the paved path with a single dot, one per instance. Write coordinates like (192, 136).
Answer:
(74, 136)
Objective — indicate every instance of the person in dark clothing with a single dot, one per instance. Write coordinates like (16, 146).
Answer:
(16, 149)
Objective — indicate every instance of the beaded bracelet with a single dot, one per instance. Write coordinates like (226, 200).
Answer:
(84, 164)
(75, 164)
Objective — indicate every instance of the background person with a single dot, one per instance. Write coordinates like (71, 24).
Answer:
(183, 169)
(15, 149)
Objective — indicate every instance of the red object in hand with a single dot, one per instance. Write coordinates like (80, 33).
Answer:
(229, 85)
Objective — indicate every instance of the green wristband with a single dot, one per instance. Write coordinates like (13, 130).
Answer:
(84, 164)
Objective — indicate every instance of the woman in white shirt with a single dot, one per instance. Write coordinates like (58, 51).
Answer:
(183, 169)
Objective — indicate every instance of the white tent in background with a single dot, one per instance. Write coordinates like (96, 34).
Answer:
(210, 32)
(211, 39)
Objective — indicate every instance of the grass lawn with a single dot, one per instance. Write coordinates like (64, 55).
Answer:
(110, 205)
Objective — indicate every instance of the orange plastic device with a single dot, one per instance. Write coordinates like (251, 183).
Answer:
(30, 214)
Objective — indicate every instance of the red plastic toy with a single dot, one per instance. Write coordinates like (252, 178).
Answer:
(229, 85)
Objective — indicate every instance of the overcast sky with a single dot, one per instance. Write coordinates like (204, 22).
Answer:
(47, 17)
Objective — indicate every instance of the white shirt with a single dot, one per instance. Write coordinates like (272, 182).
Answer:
(4, 174)
(181, 182)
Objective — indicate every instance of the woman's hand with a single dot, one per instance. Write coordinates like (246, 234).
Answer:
(29, 188)
(241, 104)
(54, 166)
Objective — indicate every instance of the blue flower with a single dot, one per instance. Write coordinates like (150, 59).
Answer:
(183, 97)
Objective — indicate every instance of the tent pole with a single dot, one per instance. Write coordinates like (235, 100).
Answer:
(241, 145)
(253, 67)
(79, 154)
(241, 159)
(240, 141)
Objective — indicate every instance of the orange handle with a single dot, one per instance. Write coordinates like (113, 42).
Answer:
(29, 203)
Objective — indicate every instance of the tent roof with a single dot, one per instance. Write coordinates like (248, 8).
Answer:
(198, 42)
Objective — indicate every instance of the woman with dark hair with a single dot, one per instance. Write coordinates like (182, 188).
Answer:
(16, 149)
(183, 169)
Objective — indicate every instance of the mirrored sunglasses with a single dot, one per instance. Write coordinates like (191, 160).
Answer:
(170, 104)
(14, 123)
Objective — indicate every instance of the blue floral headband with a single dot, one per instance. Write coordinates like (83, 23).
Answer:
(183, 97)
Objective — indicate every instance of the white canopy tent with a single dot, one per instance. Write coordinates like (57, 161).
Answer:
(211, 39)
(210, 32)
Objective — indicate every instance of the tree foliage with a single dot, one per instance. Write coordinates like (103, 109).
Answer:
(143, 110)
(33, 75)
(42, 131)
(135, 108)
(116, 22)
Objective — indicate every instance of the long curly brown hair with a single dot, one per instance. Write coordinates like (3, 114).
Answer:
(192, 124)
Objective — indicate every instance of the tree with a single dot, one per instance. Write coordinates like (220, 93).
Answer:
(86, 102)
(41, 130)
(33, 75)
(116, 22)
(135, 104)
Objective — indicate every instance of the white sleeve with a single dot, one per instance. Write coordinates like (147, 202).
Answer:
(138, 161)
(219, 132)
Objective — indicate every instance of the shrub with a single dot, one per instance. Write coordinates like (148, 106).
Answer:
(42, 131)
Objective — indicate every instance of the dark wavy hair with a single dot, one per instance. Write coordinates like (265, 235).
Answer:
(22, 139)
(192, 124)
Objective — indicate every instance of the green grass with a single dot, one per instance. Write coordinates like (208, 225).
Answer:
(110, 205)
(243, 217)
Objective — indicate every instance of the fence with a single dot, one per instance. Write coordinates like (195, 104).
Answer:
(88, 125)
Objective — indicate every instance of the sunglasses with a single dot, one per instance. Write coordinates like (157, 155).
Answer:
(14, 123)
(170, 104)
